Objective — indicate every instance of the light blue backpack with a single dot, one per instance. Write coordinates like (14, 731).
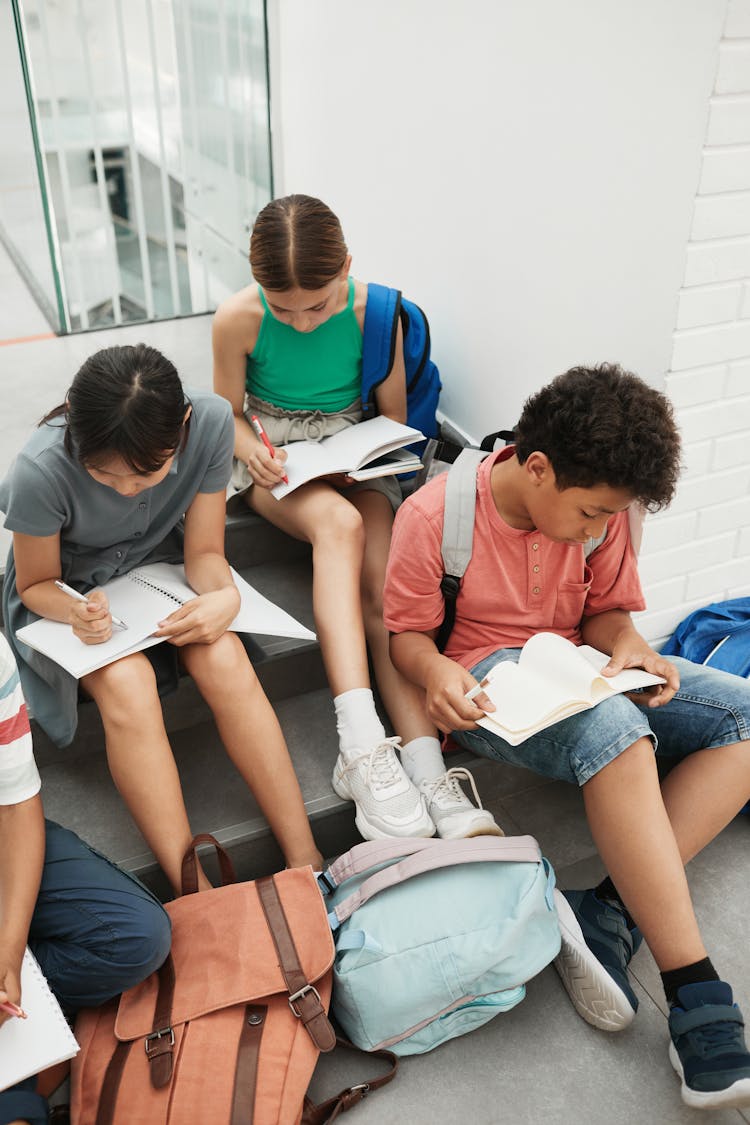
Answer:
(435, 937)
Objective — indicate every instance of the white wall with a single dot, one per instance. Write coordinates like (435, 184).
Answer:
(534, 175)
(699, 551)
(525, 171)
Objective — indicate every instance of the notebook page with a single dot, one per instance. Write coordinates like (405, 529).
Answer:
(520, 704)
(627, 680)
(557, 663)
(43, 1039)
(350, 448)
(257, 614)
(140, 609)
(142, 598)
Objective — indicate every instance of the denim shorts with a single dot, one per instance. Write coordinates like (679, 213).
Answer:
(712, 708)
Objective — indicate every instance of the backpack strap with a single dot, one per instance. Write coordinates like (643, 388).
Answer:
(488, 441)
(458, 533)
(329, 1110)
(373, 853)
(449, 853)
(378, 341)
(304, 999)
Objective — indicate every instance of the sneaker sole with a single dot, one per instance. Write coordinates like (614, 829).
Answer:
(423, 828)
(594, 994)
(735, 1096)
(480, 830)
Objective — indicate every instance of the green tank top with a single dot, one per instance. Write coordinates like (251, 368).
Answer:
(318, 370)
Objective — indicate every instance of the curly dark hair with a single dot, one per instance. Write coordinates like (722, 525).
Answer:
(603, 425)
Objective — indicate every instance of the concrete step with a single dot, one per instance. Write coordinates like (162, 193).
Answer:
(250, 540)
(79, 791)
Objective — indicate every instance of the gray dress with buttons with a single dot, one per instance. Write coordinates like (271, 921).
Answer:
(102, 534)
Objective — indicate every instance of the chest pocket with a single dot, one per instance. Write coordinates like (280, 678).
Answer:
(571, 600)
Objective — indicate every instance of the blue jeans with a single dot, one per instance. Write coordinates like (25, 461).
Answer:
(95, 931)
(711, 709)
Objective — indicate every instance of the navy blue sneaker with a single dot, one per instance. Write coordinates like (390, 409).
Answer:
(708, 1047)
(596, 949)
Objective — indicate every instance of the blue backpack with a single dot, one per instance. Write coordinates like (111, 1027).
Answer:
(385, 307)
(717, 635)
(435, 937)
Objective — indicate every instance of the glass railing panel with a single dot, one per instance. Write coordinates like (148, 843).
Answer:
(24, 231)
(153, 130)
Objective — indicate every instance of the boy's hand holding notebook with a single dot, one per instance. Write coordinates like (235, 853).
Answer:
(553, 679)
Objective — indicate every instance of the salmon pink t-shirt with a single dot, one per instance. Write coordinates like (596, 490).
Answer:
(518, 582)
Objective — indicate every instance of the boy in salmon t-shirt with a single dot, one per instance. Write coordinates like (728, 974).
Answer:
(589, 445)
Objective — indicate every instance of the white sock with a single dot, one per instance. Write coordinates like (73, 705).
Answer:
(357, 721)
(422, 759)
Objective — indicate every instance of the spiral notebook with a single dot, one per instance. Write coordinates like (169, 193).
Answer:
(141, 599)
(43, 1038)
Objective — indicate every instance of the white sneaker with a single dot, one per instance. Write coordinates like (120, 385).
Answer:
(388, 804)
(451, 810)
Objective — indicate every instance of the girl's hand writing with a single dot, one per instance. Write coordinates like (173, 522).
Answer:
(201, 620)
(266, 470)
(10, 986)
(91, 622)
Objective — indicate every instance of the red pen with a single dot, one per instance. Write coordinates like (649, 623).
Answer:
(13, 1010)
(255, 422)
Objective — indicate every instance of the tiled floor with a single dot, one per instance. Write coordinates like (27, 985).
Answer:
(20, 316)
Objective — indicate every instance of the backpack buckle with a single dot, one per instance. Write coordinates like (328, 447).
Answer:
(150, 1047)
(299, 996)
(355, 1094)
(449, 586)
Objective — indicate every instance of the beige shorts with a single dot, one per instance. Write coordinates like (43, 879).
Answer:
(285, 426)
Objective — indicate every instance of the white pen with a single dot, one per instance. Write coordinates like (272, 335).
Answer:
(82, 598)
(479, 688)
(476, 690)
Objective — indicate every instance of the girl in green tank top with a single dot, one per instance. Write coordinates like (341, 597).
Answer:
(289, 350)
(305, 371)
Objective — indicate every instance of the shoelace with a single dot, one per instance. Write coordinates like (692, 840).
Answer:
(383, 767)
(713, 1039)
(447, 785)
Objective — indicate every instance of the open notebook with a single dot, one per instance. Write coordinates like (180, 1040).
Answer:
(553, 679)
(43, 1038)
(141, 599)
(352, 450)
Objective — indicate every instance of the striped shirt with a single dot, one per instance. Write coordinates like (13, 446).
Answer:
(19, 777)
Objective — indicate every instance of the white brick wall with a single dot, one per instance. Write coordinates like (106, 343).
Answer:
(699, 551)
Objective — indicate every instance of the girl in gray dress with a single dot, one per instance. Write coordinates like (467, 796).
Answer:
(129, 470)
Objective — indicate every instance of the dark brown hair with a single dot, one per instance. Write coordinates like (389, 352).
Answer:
(127, 401)
(297, 242)
(603, 425)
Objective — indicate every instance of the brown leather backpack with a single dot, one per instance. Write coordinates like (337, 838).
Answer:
(230, 1028)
